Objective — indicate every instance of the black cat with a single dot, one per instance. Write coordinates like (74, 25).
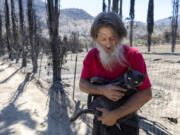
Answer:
(130, 81)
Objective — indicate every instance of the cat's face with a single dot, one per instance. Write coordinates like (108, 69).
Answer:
(134, 78)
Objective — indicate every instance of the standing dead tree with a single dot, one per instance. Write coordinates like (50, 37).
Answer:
(115, 6)
(131, 14)
(1, 37)
(120, 8)
(32, 34)
(14, 31)
(8, 33)
(150, 22)
(53, 11)
(174, 23)
(23, 46)
(74, 42)
(109, 5)
(104, 6)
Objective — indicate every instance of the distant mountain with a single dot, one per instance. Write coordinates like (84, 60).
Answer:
(78, 20)
(166, 21)
(71, 20)
(76, 13)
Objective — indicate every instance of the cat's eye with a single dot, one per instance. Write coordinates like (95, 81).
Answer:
(136, 82)
(129, 78)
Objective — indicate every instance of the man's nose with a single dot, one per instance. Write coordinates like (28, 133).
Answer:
(108, 44)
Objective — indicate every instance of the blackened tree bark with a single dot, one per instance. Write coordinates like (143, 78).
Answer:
(104, 6)
(115, 6)
(32, 33)
(150, 22)
(120, 8)
(14, 31)
(23, 46)
(131, 14)
(109, 5)
(53, 11)
(1, 38)
(8, 33)
(174, 23)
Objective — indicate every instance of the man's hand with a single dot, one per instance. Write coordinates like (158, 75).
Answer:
(113, 92)
(107, 118)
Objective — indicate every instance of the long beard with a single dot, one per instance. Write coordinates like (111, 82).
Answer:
(110, 60)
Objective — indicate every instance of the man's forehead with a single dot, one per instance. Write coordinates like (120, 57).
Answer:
(103, 34)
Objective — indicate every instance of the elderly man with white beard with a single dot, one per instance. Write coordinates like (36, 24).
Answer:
(109, 60)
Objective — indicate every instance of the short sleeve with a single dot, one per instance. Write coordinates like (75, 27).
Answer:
(140, 65)
(86, 70)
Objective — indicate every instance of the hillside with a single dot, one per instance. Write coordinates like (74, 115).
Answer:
(78, 20)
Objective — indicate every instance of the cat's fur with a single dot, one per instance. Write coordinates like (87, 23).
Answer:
(130, 81)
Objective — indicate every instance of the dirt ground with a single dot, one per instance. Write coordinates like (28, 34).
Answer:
(25, 106)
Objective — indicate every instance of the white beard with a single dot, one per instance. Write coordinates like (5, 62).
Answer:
(109, 60)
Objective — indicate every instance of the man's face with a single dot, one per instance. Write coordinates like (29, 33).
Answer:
(107, 39)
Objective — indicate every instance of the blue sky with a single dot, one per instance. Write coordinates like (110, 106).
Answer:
(162, 8)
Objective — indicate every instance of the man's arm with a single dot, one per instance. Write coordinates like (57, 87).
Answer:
(110, 91)
(89, 88)
(134, 103)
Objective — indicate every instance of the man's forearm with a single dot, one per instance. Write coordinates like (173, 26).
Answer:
(89, 88)
(134, 103)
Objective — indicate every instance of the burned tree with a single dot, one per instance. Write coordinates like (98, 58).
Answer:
(32, 34)
(150, 22)
(120, 8)
(74, 42)
(131, 14)
(1, 38)
(8, 33)
(23, 46)
(115, 6)
(109, 5)
(14, 31)
(104, 6)
(53, 11)
(174, 23)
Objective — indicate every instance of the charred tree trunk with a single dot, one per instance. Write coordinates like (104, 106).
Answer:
(115, 6)
(1, 38)
(120, 8)
(23, 46)
(15, 33)
(8, 34)
(36, 41)
(104, 6)
(53, 12)
(131, 14)
(174, 23)
(150, 22)
(109, 5)
(32, 28)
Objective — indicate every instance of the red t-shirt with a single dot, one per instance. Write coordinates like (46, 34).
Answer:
(92, 66)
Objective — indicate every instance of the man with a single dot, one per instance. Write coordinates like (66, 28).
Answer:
(109, 60)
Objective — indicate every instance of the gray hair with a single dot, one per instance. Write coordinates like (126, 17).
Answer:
(111, 20)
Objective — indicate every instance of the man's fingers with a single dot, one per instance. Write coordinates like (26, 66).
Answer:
(118, 94)
(119, 88)
(100, 118)
(100, 109)
(115, 99)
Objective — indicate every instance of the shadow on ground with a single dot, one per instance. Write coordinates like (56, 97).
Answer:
(11, 115)
(9, 77)
(58, 116)
(152, 127)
